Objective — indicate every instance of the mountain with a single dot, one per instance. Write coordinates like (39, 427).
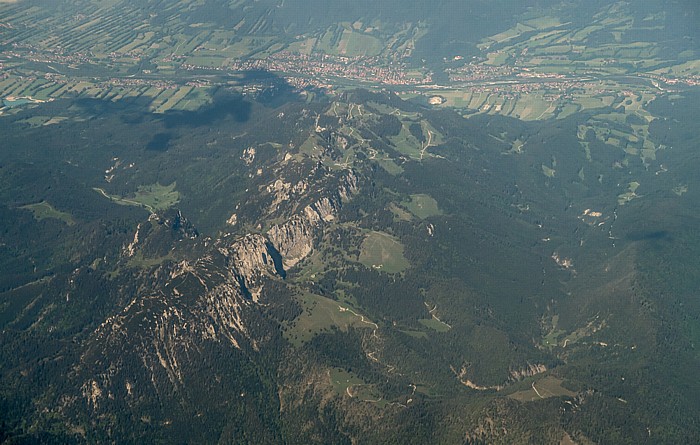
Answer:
(499, 252)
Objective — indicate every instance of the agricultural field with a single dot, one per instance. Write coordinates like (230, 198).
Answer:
(555, 101)
(162, 97)
(543, 44)
(115, 51)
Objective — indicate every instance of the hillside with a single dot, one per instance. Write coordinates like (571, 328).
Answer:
(251, 254)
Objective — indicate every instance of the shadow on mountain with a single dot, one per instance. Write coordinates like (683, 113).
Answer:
(225, 104)
(131, 110)
(273, 90)
(263, 87)
(159, 142)
(649, 236)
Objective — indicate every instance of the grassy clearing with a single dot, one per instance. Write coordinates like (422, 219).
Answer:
(552, 338)
(558, 337)
(405, 143)
(545, 22)
(341, 380)
(383, 252)
(44, 210)
(422, 206)
(680, 190)
(628, 196)
(399, 213)
(688, 68)
(141, 262)
(517, 147)
(311, 146)
(321, 314)
(206, 61)
(497, 58)
(435, 324)
(36, 121)
(506, 35)
(142, 39)
(346, 383)
(156, 196)
(152, 197)
(303, 47)
(414, 334)
(531, 107)
(547, 387)
(548, 171)
(195, 99)
(390, 166)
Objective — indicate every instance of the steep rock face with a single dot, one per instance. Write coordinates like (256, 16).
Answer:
(165, 330)
(284, 191)
(224, 310)
(180, 226)
(251, 258)
(294, 239)
(528, 371)
(158, 344)
(322, 210)
(185, 308)
(348, 186)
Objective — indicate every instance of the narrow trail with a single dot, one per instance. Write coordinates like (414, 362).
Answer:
(362, 317)
(373, 357)
(435, 317)
(536, 391)
(427, 144)
(124, 200)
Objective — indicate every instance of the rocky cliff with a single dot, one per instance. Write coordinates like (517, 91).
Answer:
(210, 299)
